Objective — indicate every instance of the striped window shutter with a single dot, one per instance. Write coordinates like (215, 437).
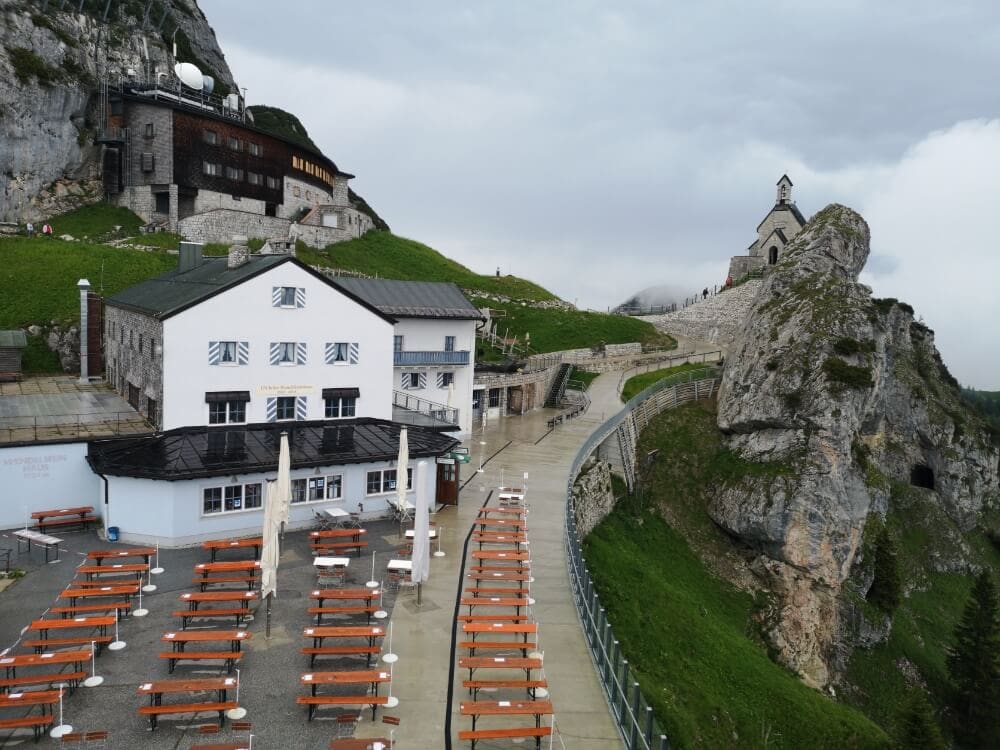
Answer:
(300, 353)
(272, 409)
(440, 380)
(300, 408)
(275, 353)
(423, 380)
(213, 352)
(275, 296)
(242, 352)
(329, 352)
(300, 297)
(404, 380)
(354, 353)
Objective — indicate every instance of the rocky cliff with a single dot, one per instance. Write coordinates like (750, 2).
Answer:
(836, 396)
(51, 61)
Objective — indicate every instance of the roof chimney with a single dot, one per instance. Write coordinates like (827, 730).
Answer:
(190, 256)
(238, 255)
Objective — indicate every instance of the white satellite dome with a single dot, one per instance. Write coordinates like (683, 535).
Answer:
(190, 75)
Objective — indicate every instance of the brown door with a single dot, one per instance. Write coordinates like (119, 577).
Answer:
(95, 339)
(447, 484)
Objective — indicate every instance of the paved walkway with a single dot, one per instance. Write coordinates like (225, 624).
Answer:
(422, 636)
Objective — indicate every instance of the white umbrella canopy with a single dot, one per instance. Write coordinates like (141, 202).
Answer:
(269, 552)
(421, 559)
(402, 461)
(283, 485)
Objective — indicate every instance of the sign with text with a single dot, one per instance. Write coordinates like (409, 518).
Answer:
(285, 390)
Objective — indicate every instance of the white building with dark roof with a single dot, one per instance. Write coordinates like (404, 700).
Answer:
(779, 227)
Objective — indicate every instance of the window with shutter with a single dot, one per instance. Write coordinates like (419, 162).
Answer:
(300, 355)
(354, 353)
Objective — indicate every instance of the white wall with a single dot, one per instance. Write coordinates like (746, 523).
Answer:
(421, 334)
(170, 513)
(45, 477)
(244, 313)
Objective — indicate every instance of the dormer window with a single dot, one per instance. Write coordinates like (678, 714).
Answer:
(288, 296)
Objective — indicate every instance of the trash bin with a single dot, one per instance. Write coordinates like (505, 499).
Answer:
(112, 533)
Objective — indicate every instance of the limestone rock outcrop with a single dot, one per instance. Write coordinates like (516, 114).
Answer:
(51, 63)
(835, 395)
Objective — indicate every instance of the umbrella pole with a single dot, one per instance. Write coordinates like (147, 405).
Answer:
(420, 587)
(267, 619)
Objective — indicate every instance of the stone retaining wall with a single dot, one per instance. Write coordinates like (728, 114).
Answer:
(593, 498)
(223, 224)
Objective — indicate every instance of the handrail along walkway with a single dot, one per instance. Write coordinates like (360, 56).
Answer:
(630, 710)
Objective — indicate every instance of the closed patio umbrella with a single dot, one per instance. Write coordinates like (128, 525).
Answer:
(270, 552)
(402, 460)
(283, 485)
(421, 558)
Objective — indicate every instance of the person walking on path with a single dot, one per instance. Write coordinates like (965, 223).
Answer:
(47, 229)
(729, 282)
(704, 293)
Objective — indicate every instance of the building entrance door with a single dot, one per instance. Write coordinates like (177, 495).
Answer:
(447, 482)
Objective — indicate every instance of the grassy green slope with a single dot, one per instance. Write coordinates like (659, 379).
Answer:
(554, 330)
(388, 256)
(690, 636)
(38, 276)
(638, 383)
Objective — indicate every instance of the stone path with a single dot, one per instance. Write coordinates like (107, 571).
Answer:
(422, 636)
(717, 319)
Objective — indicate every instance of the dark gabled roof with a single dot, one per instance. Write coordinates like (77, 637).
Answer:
(413, 299)
(193, 452)
(176, 291)
(784, 177)
(13, 339)
(785, 207)
(781, 235)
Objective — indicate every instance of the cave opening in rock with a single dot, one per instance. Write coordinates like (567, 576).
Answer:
(922, 475)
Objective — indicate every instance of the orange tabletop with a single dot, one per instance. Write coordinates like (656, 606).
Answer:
(29, 698)
(74, 622)
(490, 554)
(107, 554)
(499, 536)
(502, 511)
(337, 533)
(186, 686)
(499, 662)
(116, 569)
(219, 596)
(344, 631)
(227, 543)
(34, 660)
(322, 594)
(357, 743)
(505, 708)
(494, 601)
(132, 584)
(97, 591)
(500, 627)
(202, 636)
(353, 677)
(227, 566)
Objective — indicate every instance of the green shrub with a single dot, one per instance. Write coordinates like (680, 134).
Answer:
(886, 590)
(839, 372)
(28, 65)
(772, 364)
(846, 346)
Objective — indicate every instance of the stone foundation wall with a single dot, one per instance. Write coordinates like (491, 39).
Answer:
(593, 497)
(320, 237)
(133, 354)
(222, 225)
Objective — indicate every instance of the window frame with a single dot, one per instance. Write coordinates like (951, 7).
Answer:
(285, 290)
(210, 136)
(230, 412)
(226, 493)
(449, 343)
(447, 378)
(342, 403)
(387, 485)
(280, 407)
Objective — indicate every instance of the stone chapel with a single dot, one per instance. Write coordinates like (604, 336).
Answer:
(778, 228)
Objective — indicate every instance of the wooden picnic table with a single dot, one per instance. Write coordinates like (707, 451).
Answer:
(473, 663)
(475, 709)
(494, 601)
(320, 632)
(179, 640)
(92, 571)
(44, 626)
(214, 545)
(226, 566)
(43, 698)
(488, 510)
(65, 517)
(197, 597)
(222, 746)
(501, 525)
(504, 537)
(76, 658)
(354, 534)
(158, 688)
(353, 677)
(93, 592)
(322, 595)
(233, 571)
(105, 554)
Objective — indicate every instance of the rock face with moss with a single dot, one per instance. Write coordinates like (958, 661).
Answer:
(50, 65)
(846, 394)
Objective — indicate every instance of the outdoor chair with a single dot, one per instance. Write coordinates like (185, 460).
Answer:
(208, 729)
(394, 580)
(322, 521)
(346, 724)
(353, 520)
(393, 720)
(95, 739)
(404, 552)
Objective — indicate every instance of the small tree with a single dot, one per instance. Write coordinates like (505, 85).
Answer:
(974, 667)
(886, 589)
(915, 725)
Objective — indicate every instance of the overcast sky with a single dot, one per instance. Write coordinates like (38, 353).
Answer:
(600, 148)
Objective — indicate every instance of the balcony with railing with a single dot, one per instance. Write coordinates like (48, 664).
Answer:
(410, 409)
(409, 359)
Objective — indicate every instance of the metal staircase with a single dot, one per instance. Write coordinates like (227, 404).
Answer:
(558, 389)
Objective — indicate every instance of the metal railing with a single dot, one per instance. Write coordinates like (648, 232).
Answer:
(404, 359)
(436, 412)
(629, 708)
(666, 364)
(57, 426)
